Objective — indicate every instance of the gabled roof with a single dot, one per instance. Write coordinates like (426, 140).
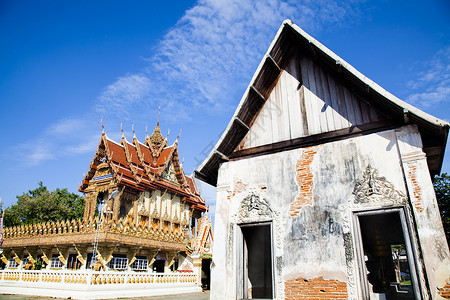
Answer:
(140, 166)
(289, 40)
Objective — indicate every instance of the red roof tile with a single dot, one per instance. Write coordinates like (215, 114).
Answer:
(135, 175)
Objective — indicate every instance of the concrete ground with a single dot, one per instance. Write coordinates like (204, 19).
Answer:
(190, 296)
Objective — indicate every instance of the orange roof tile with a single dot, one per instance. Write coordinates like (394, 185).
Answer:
(135, 176)
(164, 156)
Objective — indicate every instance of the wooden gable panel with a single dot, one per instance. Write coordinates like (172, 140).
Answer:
(306, 100)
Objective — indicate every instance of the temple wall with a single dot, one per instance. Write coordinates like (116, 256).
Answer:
(309, 197)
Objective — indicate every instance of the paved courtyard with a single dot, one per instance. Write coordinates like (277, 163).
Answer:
(190, 296)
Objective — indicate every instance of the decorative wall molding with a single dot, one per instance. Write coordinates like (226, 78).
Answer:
(254, 206)
(374, 188)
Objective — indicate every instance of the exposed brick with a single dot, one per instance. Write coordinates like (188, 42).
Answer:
(445, 291)
(317, 288)
(304, 179)
(417, 192)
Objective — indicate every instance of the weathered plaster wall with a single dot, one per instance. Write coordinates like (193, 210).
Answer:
(309, 195)
(433, 245)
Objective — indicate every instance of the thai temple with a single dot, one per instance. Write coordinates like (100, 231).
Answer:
(153, 230)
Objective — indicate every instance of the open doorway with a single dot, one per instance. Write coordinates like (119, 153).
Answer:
(386, 258)
(257, 270)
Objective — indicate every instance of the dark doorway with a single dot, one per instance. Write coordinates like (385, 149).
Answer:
(387, 255)
(257, 261)
(206, 273)
(158, 266)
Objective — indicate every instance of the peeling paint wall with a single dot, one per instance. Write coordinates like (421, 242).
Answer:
(310, 195)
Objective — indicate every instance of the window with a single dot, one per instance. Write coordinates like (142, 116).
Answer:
(122, 212)
(174, 266)
(56, 263)
(385, 255)
(13, 263)
(73, 263)
(140, 264)
(118, 263)
(89, 261)
(158, 266)
(255, 265)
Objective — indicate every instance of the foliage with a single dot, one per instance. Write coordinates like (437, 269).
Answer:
(38, 265)
(42, 205)
(442, 189)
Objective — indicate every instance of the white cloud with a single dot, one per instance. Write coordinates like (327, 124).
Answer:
(32, 154)
(64, 137)
(433, 85)
(67, 126)
(207, 58)
(88, 145)
(120, 95)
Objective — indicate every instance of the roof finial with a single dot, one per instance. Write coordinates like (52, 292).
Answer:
(182, 161)
(159, 111)
(168, 131)
(132, 129)
(146, 132)
(176, 140)
(101, 122)
(121, 129)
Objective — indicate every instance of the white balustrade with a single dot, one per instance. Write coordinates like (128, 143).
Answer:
(89, 277)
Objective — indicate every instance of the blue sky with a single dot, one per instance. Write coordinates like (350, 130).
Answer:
(65, 64)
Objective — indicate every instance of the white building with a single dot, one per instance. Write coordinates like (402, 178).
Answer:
(323, 179)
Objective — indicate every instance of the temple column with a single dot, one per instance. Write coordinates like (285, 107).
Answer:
(47, 256)
(116, 208)
(18, 258)
(197, 262)
(135, 208)
(87, 205)
(171, 259)
(150, 219)
(81, 256)
(116, 205)
(151, 259)
(63, 255)
(92, 205)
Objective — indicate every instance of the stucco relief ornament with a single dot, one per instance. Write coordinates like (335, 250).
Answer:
(254, 206)
(373, 187)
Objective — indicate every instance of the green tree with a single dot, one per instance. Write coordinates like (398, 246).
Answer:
(42, 205)
(442, 189)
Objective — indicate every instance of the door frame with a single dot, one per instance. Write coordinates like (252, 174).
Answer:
(410, 250)
(242, 270)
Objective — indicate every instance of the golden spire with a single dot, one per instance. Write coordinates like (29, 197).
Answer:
(159, 111)
(176, 140)
(101, 122)
(121, 129)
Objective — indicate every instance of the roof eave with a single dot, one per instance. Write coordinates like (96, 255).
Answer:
(241, 122)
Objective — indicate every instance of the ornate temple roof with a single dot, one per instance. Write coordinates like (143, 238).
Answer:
(152, 164)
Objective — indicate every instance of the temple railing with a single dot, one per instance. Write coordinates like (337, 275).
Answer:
(122, 226)
(89, 277)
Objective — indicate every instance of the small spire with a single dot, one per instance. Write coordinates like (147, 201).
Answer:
(132, 129)
(159, 111)
(101, 122)
(168, 132)
(121, 129)
(146, 132)
(176, 140)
